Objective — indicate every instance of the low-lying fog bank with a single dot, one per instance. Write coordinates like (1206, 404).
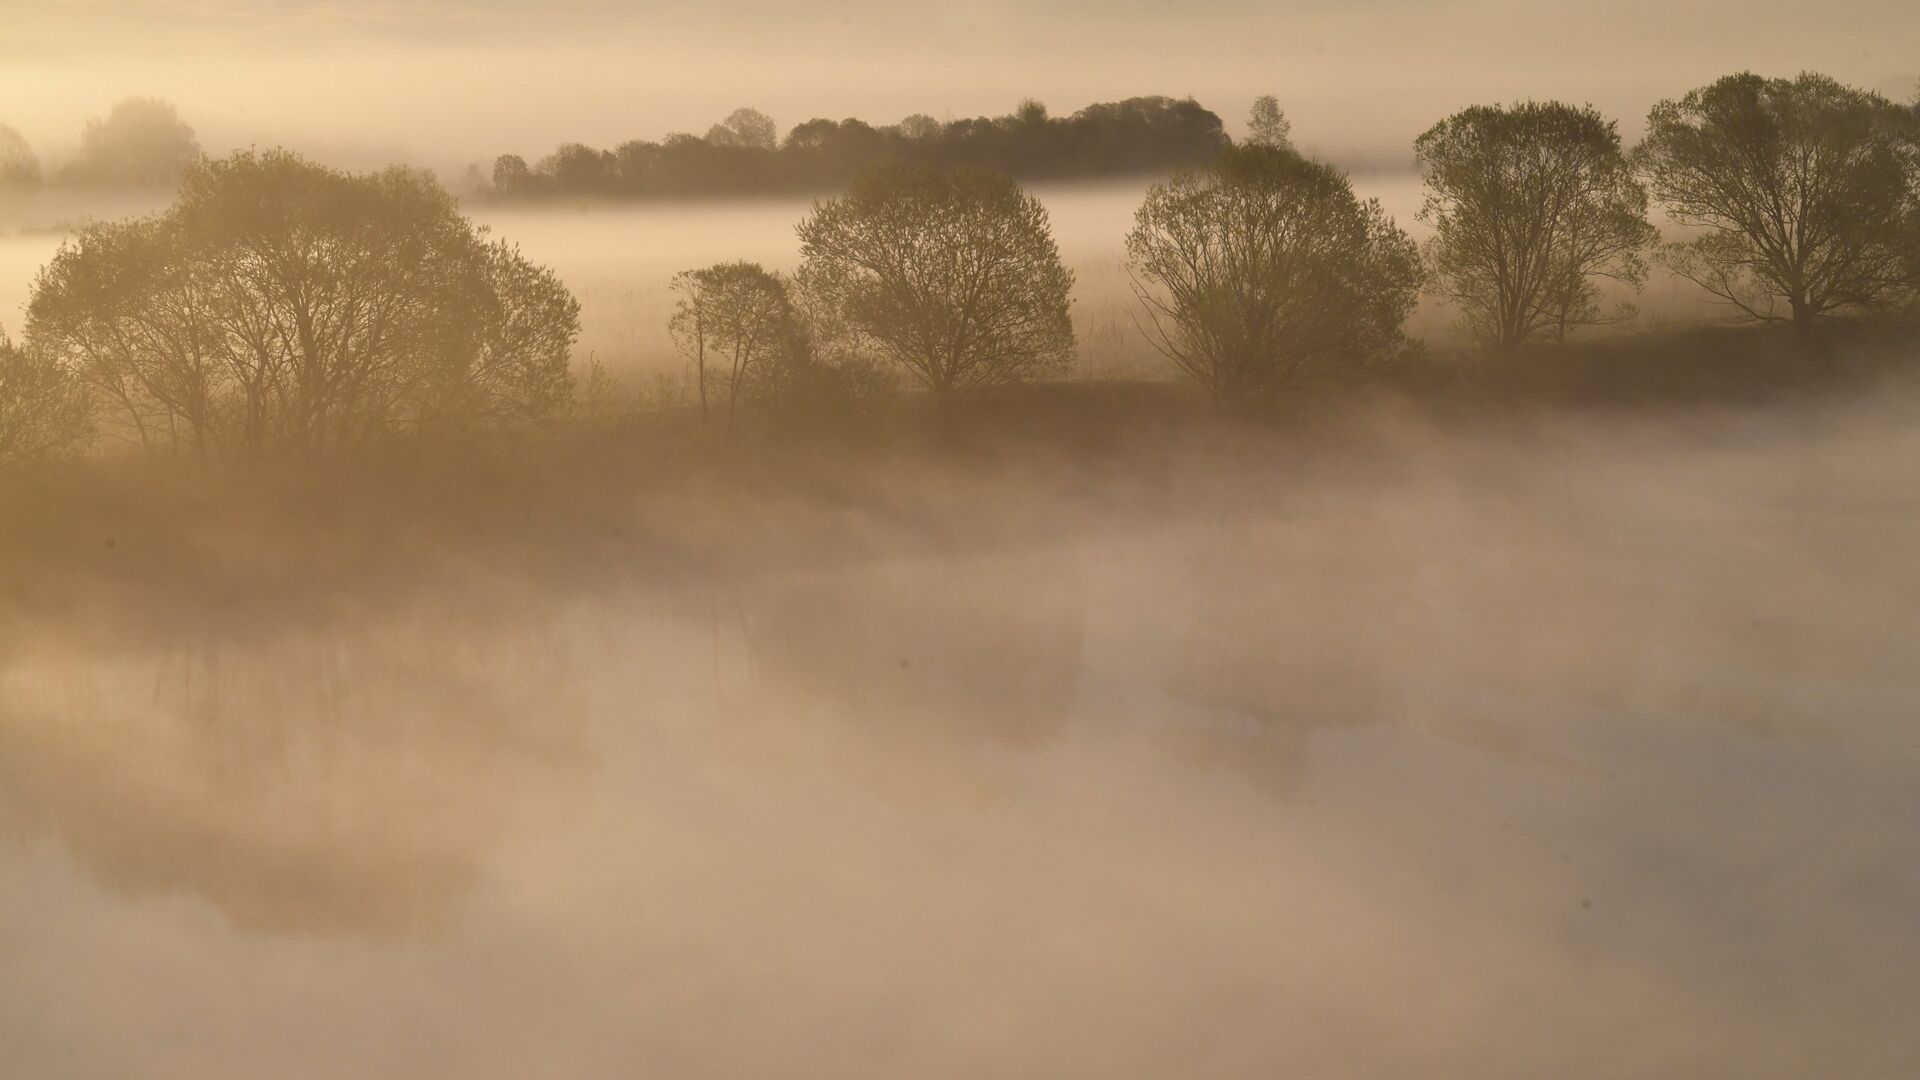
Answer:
(1507, 741)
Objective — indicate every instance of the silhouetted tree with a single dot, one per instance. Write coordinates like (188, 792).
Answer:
(142, 142)
(739, 318)
(1267, 125)
(920, 127)
(578, 169)
(1265, 266)
(511, 175)
(1528, 205)
(951, 275)
(44, 406)
(1808, 190)
(19, 167)
(748, 128)
(283, 308)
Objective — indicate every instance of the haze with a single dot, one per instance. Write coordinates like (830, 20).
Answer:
(451, 82)
(1084, 571)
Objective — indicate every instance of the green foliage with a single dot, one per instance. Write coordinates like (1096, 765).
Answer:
(951, 276)
(282, 308)
(1529, 205)
(44, 408)
(1808, 193)
(1264, 267)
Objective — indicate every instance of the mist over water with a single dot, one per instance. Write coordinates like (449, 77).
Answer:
(1448, 749)
(1450, 712)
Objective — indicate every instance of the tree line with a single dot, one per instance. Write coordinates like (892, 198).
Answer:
(141, 142)
(1800, 197)
(744, 155)
(281, 308)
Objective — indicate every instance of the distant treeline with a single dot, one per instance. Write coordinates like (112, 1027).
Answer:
(744, 156)
(142, 142)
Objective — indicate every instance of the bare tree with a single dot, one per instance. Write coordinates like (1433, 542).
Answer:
(1808, 193)
(1529, 205)
(282, 308)
(1267, 125)
(1263, 267)
(44, 407)
(19, 167)
(951, 276)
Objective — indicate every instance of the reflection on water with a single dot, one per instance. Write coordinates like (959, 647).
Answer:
(1581, 754)
(335, 780)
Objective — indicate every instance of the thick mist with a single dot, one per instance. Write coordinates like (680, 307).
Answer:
(1400, 743)
(413, 665)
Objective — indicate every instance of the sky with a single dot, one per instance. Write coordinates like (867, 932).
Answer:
(448, 82)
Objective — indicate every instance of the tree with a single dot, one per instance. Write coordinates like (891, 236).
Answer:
(920, 127)
(141, 142)
(1529, 205)
(748, 128)
(282, 308)
(1263, 267)
(578, 169)
(739, 156)
(44, 407)
(738, 315)
(19, 167)
(952, 276)
(511, 176)
(1808, 193)
(1267, 125)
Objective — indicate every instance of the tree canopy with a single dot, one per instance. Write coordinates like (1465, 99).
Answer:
(142, 142)
(19, 166)
(1807, 194)
(1529, 204)
(738, 156)
(44, 408)
(283, 308)
(951, 275)
(1267, 125)
(1263, 267)
(738, 321)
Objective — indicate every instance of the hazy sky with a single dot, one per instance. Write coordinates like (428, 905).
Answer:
(445, 82)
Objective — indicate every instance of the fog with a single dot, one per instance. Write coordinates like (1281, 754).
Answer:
(1538, 713)
(618, 258)
(1398, 744)
(449, 82)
